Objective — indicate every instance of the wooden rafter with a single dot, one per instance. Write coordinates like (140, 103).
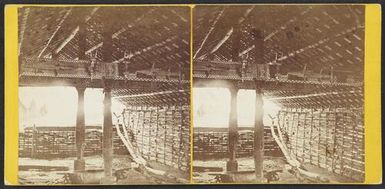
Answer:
(209, 32)
(229, 32)
(139, 52)
(278, 30)
(120, 31)
(54, 33)
(22, 27)
(317, 44)
(74, 32)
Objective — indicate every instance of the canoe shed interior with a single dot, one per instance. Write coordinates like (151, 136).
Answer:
(307, 59)
(139, 55)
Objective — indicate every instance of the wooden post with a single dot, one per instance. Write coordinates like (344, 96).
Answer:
(232, 164)
(107, 134)
(34, 137)
(257, 67)
(82, 41)
(258, 134)
(236, 43)
(107, 50)
(258, 40)
(79, 164)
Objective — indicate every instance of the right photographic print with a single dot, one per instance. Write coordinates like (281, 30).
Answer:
(278, 94)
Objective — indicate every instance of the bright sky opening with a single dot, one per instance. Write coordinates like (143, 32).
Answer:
(57, 106)
(212, 108)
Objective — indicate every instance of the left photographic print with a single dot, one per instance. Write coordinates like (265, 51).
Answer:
(104, 94)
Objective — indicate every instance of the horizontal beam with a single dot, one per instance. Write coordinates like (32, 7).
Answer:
(89, 70)
(153, 94)
(217, 62)
(41, 80)
(312, 95)
(271, 84)
(245, 81)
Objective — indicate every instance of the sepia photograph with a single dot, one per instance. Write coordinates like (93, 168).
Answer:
(278, 94)
(104, 95)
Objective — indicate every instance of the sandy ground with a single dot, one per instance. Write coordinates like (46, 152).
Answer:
(286, 176)
(244, 164)
(36, 176)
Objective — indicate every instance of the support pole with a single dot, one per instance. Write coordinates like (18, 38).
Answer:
(232, 164)
(107, 50)
(258, 65)
(34, 137)
(236, 43)
(259, 70)
(258, 134)
(107, 137)
(82, 41)
(79, 164)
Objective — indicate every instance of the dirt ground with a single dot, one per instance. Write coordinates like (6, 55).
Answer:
(244, 164)
(284, 173)
(43, 172)
(33, 175)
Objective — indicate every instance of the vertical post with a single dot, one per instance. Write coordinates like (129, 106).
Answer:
(107, 134)
(34, 133)
(79, 164)
(258, 65)
(82, 41)
(258, 133)
(258, 71)
(107, 50)
(236, 43)
(232, 164)
(236, 46)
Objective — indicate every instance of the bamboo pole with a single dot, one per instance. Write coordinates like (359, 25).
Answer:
(295, 164)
